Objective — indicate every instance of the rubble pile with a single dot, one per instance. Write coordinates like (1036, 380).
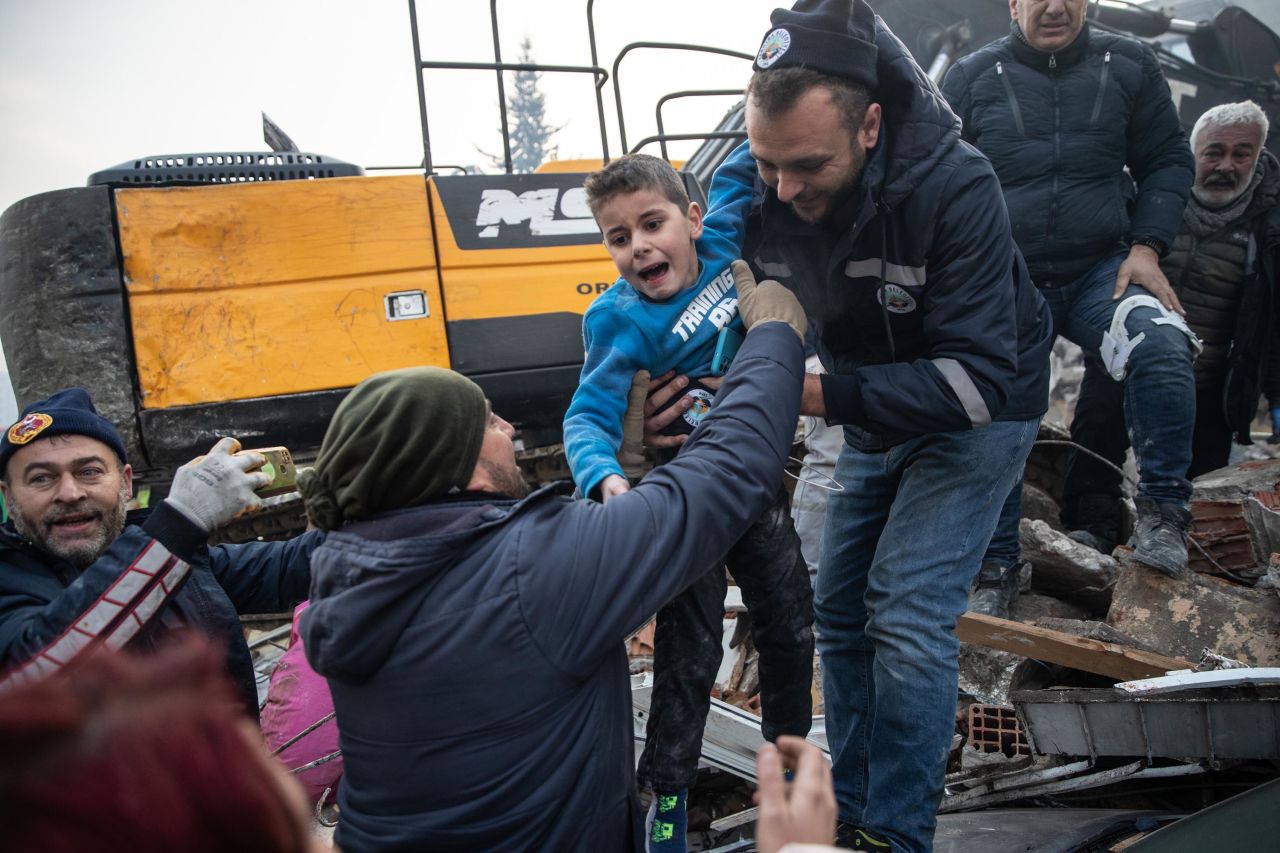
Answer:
(1096, 665)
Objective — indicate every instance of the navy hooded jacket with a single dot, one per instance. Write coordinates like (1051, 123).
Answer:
(152, 579)
(929, 256)
(474, 646)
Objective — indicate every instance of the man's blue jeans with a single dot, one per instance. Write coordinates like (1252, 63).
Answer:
(902, 543)
(1159, 390)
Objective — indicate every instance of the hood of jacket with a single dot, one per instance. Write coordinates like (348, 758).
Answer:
(1267, 195)
(918, 129)
(370, 578)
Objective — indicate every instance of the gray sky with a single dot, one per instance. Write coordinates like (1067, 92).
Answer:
(88, 84)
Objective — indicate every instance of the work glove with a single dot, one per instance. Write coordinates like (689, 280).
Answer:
(766, 302)
(1275, 426)
(631, 452)
(213, 489)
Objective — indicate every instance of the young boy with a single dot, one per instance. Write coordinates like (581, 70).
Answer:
(665, 313)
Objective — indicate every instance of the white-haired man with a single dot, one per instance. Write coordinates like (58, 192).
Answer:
(1224, 265)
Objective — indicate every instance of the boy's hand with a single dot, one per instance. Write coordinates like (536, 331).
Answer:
(766, 302)
(802, 812)
(613, 485)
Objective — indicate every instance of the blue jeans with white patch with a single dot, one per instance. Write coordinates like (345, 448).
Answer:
(902, 544)
(1159, 389)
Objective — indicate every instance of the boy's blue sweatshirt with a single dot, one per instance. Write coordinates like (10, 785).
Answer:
(624, 331)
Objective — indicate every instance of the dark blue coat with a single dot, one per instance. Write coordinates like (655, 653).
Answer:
(474, 646)
(930, 257)
(151, 580)
(1060, 128)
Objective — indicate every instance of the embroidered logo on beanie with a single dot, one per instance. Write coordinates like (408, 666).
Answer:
(29, 427)
(771, 49)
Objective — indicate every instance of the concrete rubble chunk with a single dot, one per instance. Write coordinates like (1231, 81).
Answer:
(1262, 517)
(1039, 505)
(1093, 630)
(1185, 616)
(1035, 607)
(1063, 568)
(1236, 483)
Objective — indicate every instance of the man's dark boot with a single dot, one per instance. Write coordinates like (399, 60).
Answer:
(850, 836)
(1095, 522)
(1160, 536)
(996, 588)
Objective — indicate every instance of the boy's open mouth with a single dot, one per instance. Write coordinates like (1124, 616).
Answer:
(655, 271)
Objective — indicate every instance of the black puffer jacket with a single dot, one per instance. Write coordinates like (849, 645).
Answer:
(1060, 128)
(1253, 360)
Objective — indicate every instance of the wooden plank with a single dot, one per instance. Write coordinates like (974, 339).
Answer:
(1109, 659)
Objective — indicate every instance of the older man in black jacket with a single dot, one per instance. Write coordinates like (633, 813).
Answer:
(1062, 110)
(1224, 265)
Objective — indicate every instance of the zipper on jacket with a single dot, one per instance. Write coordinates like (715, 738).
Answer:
(1056, 167)
(1013, 100)
(1102, 88)
(1053, 60)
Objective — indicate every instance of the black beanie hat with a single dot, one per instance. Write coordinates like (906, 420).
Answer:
(68, 412)
(835, 37)
(399, 439)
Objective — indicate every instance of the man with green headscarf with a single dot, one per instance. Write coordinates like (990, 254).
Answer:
(472, 634)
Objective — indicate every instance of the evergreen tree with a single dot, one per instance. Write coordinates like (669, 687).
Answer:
(527, 120)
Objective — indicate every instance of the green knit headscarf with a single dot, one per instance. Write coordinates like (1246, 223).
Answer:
(399, 439)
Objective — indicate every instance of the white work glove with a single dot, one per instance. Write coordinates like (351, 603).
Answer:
(766, 302)
(215, 488)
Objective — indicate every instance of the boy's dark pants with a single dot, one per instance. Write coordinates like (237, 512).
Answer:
(767, 565)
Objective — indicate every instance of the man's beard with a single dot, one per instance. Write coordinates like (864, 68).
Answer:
(81, 552)
(506, 479)
(1219, 196)
(839, 200)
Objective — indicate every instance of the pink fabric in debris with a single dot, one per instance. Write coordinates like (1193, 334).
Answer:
(296, 699)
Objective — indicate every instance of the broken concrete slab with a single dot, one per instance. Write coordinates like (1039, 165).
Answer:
(1186, 615)
(1030, 641)
(1039, 505)
(1063, 568)
(1236, 483)
(1034, 607)
(1262, 518)
(986, 674)
(1092, 630)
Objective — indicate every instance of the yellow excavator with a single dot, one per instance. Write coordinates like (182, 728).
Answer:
(244, 294)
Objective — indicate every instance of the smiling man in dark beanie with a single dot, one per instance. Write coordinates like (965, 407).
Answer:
(893, 234)
(77, 573)
(472, 634)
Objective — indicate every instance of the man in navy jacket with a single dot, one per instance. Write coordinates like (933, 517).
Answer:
(473, 636)
(892, 232)
(1063, 110)
(77, 573)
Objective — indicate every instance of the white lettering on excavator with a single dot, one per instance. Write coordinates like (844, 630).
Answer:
(538, 208)
(708, 304)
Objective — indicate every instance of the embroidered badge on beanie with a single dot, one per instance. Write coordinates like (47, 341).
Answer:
(835, 37)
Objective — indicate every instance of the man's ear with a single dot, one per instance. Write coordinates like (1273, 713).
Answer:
(127, 473)
(695, 220)
(1013, 9)
(869, 133)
